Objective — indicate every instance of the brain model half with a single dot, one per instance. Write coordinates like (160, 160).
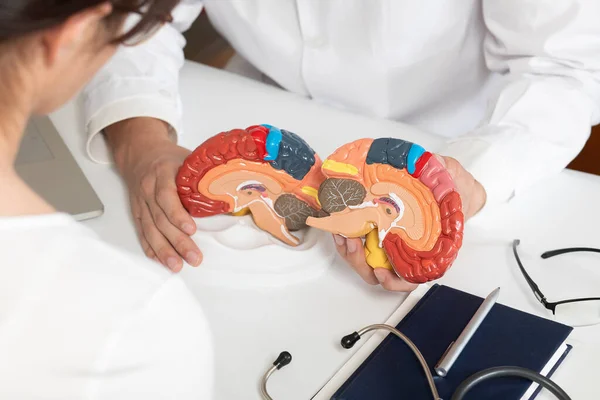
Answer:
(271, 173)
(398, 196)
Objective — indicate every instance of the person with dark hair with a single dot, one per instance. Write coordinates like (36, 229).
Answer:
(79, 318)
(513, 86)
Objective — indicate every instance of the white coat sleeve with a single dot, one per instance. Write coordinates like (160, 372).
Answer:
(548, 53)
(139, 81)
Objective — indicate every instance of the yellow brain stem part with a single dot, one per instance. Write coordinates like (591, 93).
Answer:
(376, 256)
(241, 213)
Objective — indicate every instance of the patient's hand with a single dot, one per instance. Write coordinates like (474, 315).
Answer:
(148, 161)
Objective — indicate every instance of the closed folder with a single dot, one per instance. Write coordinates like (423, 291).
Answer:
(507, 337)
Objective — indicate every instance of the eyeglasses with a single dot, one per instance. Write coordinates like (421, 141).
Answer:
(156, 22)
(574, 312)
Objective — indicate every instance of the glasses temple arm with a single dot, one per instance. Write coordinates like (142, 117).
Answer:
(536, 290)
(557, 252)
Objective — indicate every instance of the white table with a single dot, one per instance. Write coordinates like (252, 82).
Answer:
(251, 327)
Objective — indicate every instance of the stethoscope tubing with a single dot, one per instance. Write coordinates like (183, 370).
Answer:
(350, 340)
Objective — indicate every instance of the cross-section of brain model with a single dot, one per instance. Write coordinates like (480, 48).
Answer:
(401, 198)
(268, 172)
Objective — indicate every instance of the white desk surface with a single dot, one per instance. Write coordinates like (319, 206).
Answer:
(251, 327)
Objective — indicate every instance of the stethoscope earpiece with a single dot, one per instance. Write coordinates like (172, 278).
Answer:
(282, 360)
(350, 340)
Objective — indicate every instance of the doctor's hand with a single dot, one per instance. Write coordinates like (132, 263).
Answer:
(473, 198)
(148, 161)
(352, 250)
(471, 192)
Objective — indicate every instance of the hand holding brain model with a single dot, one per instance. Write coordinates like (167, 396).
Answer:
(393, 192)
(401, 198)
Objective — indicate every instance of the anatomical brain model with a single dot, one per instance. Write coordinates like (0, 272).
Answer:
(271, 173)
(398, 196)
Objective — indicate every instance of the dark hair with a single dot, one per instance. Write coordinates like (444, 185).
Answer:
(22, 17)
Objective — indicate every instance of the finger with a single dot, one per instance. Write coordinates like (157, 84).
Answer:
(340, 245)
(148, 251)
(390, 281)
(159, 244)
(353, 252)
(168, 200)
(183, 244)
(134, 201)
(357, 259)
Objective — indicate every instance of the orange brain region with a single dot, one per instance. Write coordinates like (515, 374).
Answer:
(269, 172)
(401, 198)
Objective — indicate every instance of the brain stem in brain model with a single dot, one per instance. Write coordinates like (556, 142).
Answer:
(271, 173)
(401, 198)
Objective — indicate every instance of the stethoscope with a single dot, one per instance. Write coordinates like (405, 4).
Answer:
(350, 340)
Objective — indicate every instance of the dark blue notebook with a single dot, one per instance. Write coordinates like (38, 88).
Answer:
(506, 337)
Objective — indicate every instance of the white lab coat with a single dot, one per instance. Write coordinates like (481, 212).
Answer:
(513, 84)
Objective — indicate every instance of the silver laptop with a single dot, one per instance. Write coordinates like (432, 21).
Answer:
(48, 167)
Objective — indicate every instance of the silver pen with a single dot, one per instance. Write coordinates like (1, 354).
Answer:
(451, 355)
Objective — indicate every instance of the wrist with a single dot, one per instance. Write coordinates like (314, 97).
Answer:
(129, 138)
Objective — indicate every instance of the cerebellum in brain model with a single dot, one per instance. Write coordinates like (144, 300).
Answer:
(401, 198)
(271, 173)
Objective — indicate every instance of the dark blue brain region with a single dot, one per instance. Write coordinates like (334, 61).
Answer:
(395, 152)
(289, 152)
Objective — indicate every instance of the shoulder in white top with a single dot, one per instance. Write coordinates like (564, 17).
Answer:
(81, 319)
